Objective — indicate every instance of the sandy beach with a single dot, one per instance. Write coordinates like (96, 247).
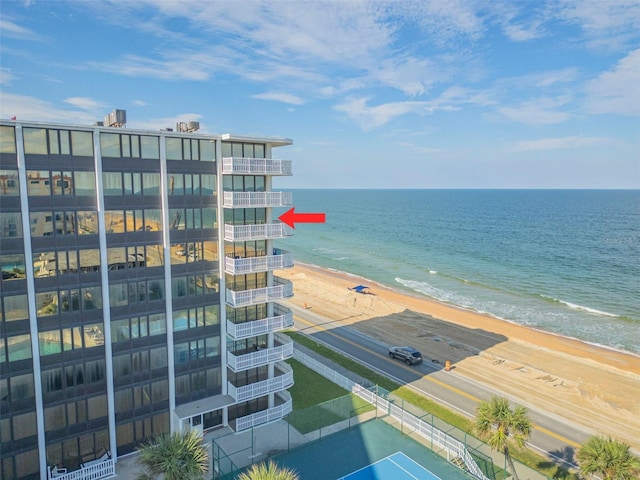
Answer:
(589, 385)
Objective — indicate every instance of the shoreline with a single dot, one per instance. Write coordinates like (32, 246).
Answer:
(589, 385)
(418, 296)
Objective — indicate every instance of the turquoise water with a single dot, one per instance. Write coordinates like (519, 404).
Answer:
(563, 261)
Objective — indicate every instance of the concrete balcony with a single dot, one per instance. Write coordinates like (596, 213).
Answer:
(240, 266)
(255, 166)
(268, 231)
(283, 318)
(282, 349)
(257, 199)
(282, 380)
(280, 290)
(283, 407)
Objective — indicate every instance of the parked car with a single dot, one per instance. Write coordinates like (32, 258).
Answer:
(409, 355)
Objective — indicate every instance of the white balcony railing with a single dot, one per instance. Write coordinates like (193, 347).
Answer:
(267, 416)
(257, 199)
(282, 351)
(256, 166)
(260, 389)
(283, 318)
(240, 266)
(282, 289)
(89, 471)
(268, 231)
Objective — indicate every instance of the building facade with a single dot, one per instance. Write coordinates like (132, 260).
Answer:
(137, 292)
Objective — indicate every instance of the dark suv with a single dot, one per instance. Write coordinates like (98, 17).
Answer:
(409, 355)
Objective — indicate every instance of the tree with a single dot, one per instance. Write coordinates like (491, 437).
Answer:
(268, 471)
(496, 422)
(177, 456)
(608, 459)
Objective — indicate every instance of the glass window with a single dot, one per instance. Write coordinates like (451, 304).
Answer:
(97, 407)
(82, 143)
(39, 182)
(7, 139)
(128, 184)
(118, 295)
(110, 144)
(259, 151)
(126, 145)
(212, 314)
(87, 222)
(85, 183)
(153, 219)
(150, 147)
(174, 148)
(209, 217)
(9, 183)
(62, 183)
(151, 183)
(114, 221)
(207, 150)
(54, 144)
(226, 149)
(35, 141)
(112, 183)
(64, 142)
(137, 183)
(236, 150)
(54, 417)
(10, 225)
(16, 307)
(123, 401)
(18, 347)
(186, 149)
(49, 342)
(24, 426)
(176, 185)
(91, 298)
(157, 324)
(22, 387)
(89, 260)
(208, 184)
(47, 303)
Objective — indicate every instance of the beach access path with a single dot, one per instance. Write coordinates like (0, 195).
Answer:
(595, 389)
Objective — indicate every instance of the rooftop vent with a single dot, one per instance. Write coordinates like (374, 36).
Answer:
(187, 127)
(117, 118)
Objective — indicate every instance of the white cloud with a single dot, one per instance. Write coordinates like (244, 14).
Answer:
(34, 109)
(618, 90)
(541, 111)
(13, 30)
(280, 97)
(85, 103)
(139, 103)
(559, 143)
(6, 76)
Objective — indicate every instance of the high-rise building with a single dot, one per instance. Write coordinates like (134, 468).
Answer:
(137, 292)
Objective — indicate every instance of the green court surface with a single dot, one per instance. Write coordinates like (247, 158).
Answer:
(348, 451)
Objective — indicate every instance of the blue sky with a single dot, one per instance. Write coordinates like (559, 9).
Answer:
(395, 94)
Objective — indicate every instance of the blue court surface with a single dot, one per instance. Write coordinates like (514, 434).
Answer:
(395, 467)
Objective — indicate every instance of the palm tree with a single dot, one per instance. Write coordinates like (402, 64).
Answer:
(608, 459)
(496, 422)
(268, 471)
(177, 456)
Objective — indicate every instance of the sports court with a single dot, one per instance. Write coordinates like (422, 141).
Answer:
(373, 450)
(397, 466)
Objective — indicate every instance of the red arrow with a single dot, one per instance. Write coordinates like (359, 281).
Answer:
(290, 217)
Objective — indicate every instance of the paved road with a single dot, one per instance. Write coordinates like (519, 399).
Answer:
(552, 435)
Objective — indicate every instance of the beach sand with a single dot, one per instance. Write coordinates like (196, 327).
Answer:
(588, 385)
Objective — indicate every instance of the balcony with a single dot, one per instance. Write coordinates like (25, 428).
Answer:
(240, 361)
(283, 318)
(240, 266)
(257, 199)
(280, 290)
(268, 231)
(282, 381)
(255, 166)
(283, 407)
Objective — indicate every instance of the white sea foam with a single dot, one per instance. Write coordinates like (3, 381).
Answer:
(582, 308)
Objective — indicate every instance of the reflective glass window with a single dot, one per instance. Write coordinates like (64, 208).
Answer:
(87, 222)
(208, 184)
(226, 149)
(174, 148)
(9, 183)
(15, 307)
(207, 150)
(54, 144)
(91, 298)
(18, 347)
(62, 183)
(12, 266)
(150, 147)
(110, 144)
(38, 182)
(114, 221)
(151, 183)
(112, 183)
(35, 141)
(82, 143)
(7, 139)
(10, 225)
(85, 183)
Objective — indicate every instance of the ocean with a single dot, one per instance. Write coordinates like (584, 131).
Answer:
(562, 261)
